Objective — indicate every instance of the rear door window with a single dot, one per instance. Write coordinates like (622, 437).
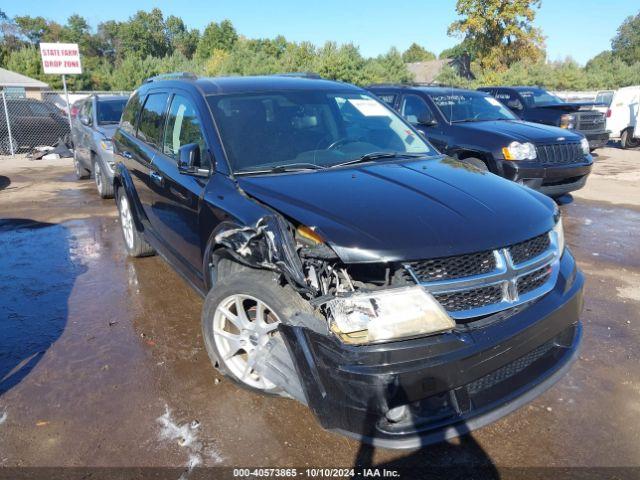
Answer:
(388, 98)
(130, 114)
(151, 119)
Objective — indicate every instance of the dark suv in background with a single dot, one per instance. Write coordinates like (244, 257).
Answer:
(94, 122)
(477, 129)
(404, 296)
(535, 104)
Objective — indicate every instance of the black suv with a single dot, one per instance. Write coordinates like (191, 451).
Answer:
(535, 104)
(477, 129)
(402, 295)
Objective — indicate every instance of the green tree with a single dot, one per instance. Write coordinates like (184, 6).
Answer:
(626, 44)
(342, 62)
(417, 53)
(389, 68)
(499, 32)
(180, 38)
(144, 35)
(221, 36)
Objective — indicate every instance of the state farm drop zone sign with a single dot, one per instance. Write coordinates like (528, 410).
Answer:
(60, 58)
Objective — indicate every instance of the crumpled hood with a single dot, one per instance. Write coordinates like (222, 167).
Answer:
(510, 130)
(393, 211)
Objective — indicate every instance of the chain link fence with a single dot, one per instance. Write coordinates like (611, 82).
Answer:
(37, 120)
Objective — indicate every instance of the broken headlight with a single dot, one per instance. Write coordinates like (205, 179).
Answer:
(387, 315)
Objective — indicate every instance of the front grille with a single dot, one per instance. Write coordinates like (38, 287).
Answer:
(590, 121)
(560, 153)
(523, 251)
(448, 268)
(509, 370)
(533, 280)
(476, 285)
(465, 300)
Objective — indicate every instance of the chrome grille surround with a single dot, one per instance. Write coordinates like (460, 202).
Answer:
(506, 275)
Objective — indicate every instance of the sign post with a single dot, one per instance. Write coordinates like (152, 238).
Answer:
(62, 59)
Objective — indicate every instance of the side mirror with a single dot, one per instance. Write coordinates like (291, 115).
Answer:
(85, 120)
(189, 161)
(427, 120)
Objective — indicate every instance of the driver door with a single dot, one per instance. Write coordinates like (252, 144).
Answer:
(412, 108)
(176, 196)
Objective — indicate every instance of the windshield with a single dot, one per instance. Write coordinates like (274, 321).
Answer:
(309, 128)
(470, 107)
(535, 97)
(110, 111)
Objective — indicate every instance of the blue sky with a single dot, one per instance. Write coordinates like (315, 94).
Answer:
(576, 28)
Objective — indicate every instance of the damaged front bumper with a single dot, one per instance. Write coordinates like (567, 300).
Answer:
(406, 394)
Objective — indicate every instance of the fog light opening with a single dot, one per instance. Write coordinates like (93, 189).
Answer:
(397, 414)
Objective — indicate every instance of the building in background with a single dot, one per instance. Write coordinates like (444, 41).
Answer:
(16, 85)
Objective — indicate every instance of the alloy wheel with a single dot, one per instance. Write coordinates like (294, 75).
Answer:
(242, 327)
(97, 175)
(126, 220)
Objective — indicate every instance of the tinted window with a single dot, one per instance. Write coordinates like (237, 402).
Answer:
(604, 98)
(39, 109)
(464, 106)
(388, 98)
(510, 99)
(183, 127)
(262, 131)
(130, 114)
(415, 108)
(536, 96)
(150, 124)
(110, 111)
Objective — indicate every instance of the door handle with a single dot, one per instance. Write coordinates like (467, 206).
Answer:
(127, 154)
(156, 178)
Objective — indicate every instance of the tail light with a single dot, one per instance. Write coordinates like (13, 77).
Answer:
(608, 113)
(74, 112)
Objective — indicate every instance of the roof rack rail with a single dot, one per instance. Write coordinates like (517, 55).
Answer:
(172, 76)
(311, 75)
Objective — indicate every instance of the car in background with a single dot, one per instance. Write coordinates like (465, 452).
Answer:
(534, 104)
(402, 295)
(32, 123)
(603, 100)
(623, 116)
(94, 121)
(477, 129)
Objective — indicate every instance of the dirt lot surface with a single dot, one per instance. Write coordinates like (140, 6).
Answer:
(102, 361)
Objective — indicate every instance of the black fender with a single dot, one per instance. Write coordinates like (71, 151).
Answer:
(122, 179)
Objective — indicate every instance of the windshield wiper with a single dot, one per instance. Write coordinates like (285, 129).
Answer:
(289, 167)
(377, 155)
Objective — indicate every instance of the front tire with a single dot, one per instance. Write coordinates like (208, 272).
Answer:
(240, 317)
(134, 242)
(627, 140)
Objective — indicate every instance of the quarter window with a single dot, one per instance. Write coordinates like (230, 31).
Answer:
(183, 127)
(150, 125)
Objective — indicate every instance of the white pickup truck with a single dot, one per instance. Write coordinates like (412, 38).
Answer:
(622, 115)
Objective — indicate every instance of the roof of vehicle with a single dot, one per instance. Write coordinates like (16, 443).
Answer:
(263, 83)
(440, 90)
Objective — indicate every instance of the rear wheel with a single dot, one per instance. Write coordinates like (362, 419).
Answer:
(239, 320)
(135, 243)
(104, 186)
(627, 140)
(81, 172)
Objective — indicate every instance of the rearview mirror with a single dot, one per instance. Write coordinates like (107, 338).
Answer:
(85, 120)
(189, 160)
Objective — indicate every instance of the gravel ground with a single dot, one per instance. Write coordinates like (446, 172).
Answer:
(102, 362)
